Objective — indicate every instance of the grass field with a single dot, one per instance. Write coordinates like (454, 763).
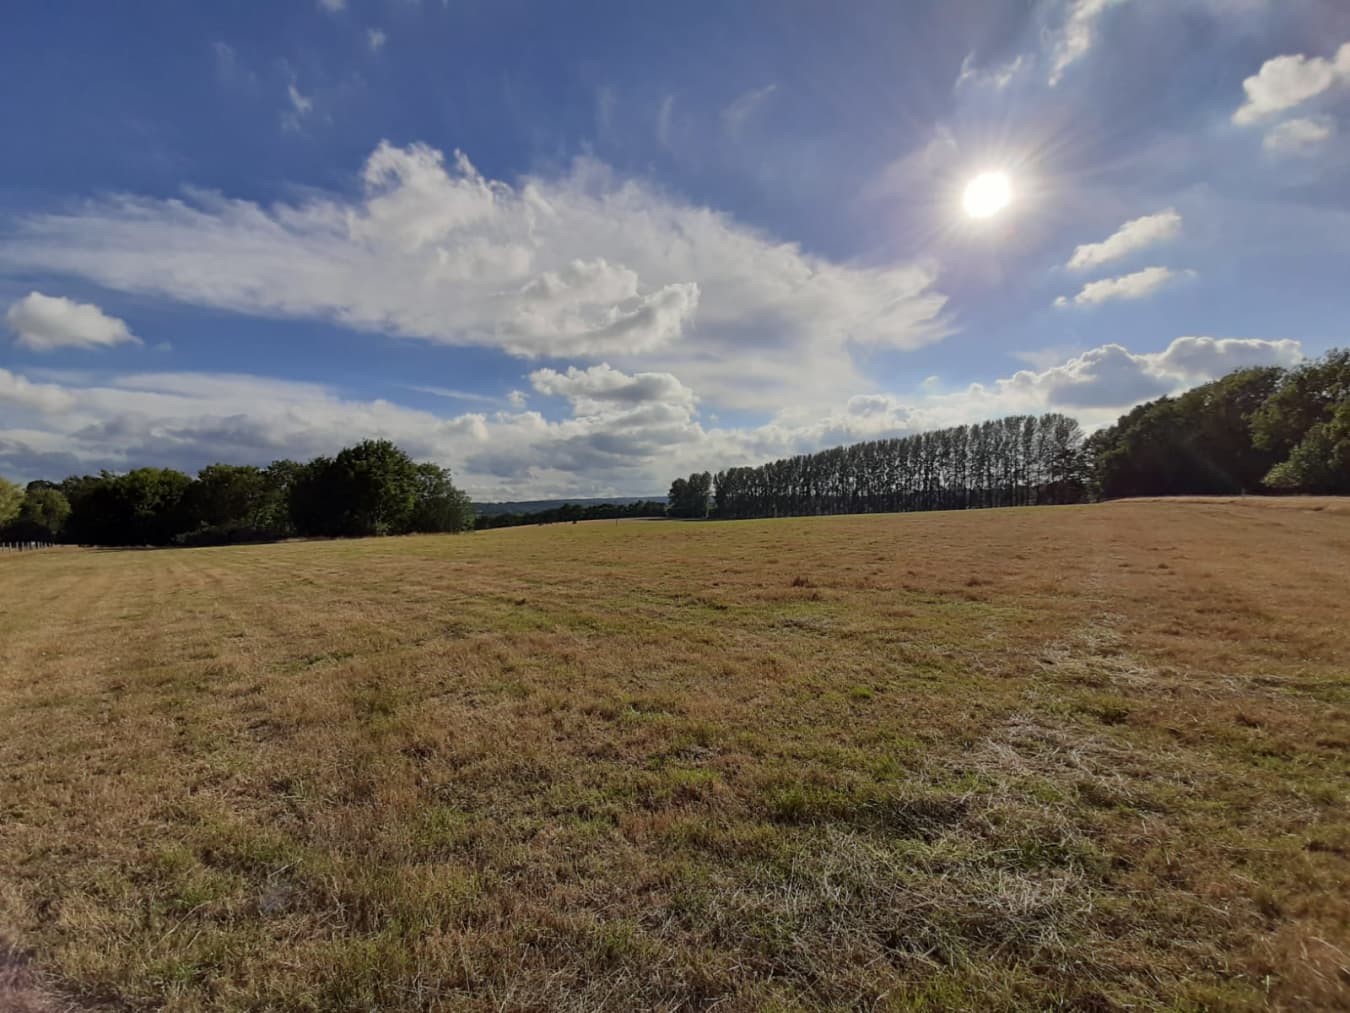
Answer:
(1087, 757)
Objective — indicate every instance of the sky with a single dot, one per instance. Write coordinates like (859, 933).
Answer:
(581, 249)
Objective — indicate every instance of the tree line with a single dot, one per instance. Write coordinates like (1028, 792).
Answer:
(1264, 430)
(571, 512)
(372, 488)
(1255, 430)
(1014, 461)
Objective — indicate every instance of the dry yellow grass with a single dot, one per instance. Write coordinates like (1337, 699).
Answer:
(1087, 757)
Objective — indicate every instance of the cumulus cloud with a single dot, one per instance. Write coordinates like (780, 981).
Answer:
(46, 322)
(1075, 39)
(1287, 81)
(582, 265)
(1133, 235)
(603, 384)
(740, 109)
(1127, 286)
(1112, 376)
(1298, 137)
(620, 433)
(590, 305)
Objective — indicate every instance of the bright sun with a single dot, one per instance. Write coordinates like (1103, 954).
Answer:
(987, 194)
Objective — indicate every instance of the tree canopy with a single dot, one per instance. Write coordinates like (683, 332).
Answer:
(11, 499)
(690, 497)
(371, 488)
(1255, 430)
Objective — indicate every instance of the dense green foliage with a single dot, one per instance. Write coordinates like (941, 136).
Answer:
(1306, 424)
(1014, 461)
(43, 513)
(573, 512)
(1198, 443)
(11, 499)
(692, 496)
(1254, 430)
(369, 489)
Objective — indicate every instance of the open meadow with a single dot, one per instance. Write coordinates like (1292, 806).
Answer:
(1088, 757)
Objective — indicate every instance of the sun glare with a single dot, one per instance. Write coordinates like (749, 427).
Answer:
(987, 194)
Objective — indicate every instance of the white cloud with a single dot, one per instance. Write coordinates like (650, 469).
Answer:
(581, 265)
(603, 384)
(589, 305)
(622, 433)
(997, 78)
(376, 39)
(1050, 355)
(1077, 36)
(1200, 358)
(42, 397)
(301, 106)
(332, 6)
(744, 106)
(1113, 377)
(1127, 286)
(456, 395)
(1287, 81)
(231, 70)
(45, 322)
(1298, 137)
(918, 169)
(1133, 235)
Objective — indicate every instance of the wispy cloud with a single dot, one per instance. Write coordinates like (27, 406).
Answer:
(301, 106)
(1133, 235)
(1127, 286)
(665, 121)
(605, 103)
(230, 69)
(1298, 137)
(375, 38)
(745, 105)
(1077, 36)
(997, 78)
(457, 395)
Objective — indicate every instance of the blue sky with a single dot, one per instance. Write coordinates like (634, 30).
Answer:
(577, 249)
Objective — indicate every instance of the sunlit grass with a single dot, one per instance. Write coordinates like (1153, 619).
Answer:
(999, 759)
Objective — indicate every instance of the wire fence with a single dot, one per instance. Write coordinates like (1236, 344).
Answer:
(25, 546)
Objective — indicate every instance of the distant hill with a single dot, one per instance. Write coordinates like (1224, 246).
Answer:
(530, 506)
